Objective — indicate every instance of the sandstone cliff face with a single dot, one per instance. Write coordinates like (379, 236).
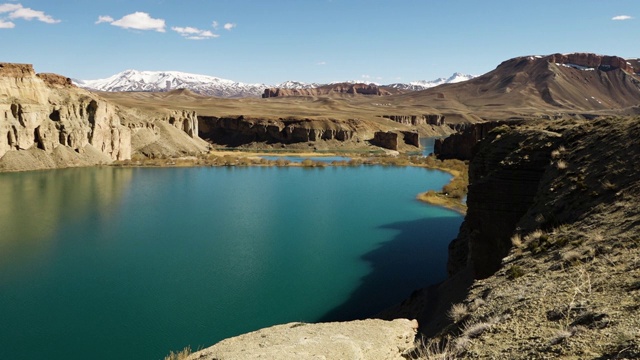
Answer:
(47, 122)
(46, 112)
(351, 89)
(426, 119)
(395, 140)
(235, 131)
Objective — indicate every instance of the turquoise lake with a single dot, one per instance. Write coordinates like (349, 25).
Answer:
(116, 263)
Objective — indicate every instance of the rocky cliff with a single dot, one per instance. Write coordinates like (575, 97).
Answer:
(47, 113)
(426, 119)
(546, 261)
(47, 122)
(461, 145)
(241, 130)
(341, 88)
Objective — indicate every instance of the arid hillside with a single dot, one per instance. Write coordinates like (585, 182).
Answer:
(552, 239)
(553, 86)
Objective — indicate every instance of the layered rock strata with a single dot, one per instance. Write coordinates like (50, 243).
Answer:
(342, 88)
(47, 122)
(426, 119)
(395, 140)
(241, 130)
(504, 177)
(45, 112)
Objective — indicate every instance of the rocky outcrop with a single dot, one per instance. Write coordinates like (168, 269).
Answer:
(55, 80)
(236, 131)
(364, 339)
(427, 119)
(460, 146)
(342, 88)
(47, 122)
(504, 176)
(394, 140)
(600, 62)
(45, 112)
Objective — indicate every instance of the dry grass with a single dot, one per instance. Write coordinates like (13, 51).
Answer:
(180, 355)
(458, 312)
(561, 165)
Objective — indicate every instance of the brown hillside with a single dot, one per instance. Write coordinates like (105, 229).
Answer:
(556, 84)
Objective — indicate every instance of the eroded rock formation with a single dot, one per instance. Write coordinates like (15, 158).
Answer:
(426, 119)
(394, 140)
(600, 62)
(45, 112)
(47, 122)
(342, 88)
(240, 130)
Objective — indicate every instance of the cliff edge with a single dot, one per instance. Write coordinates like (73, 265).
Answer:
(551, 239)
(47, 122)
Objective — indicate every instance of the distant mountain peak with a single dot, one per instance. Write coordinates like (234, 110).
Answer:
(162, 81)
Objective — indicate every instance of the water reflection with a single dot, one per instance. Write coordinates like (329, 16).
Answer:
(33, 203)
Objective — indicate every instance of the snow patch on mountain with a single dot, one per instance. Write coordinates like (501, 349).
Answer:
(424, 84)
(160, 81)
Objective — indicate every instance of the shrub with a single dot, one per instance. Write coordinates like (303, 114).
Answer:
(515, 272)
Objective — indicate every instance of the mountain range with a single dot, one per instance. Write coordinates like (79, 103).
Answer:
(161, 81)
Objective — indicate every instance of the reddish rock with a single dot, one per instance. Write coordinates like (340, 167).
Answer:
(56, 80)
(343, 88)
(600, 62)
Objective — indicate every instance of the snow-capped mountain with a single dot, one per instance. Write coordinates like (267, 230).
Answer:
(424, 84)
(296, 85)
(157, 81)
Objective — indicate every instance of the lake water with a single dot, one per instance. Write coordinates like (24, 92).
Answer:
(300, 159)
(113, 263)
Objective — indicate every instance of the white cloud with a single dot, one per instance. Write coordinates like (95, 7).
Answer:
(17, 11)
(105, 19)
(30, 14)
(621, 17)
(192, 33)
(139, 21)
(321, 63)
(7, 25)
(229, 26)
(9, 7)
(366, 76)
(215, 24)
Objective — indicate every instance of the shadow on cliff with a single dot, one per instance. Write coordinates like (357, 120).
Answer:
(415, 258)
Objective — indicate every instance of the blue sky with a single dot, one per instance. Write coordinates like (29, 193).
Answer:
(384, 41)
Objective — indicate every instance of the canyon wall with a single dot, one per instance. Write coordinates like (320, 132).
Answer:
(342, 88)
(47, 122)
(240, 130)
(504, 176)
(45, 112)
(460, 146)
(426, 119)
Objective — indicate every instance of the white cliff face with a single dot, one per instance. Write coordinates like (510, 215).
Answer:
(45, 113)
